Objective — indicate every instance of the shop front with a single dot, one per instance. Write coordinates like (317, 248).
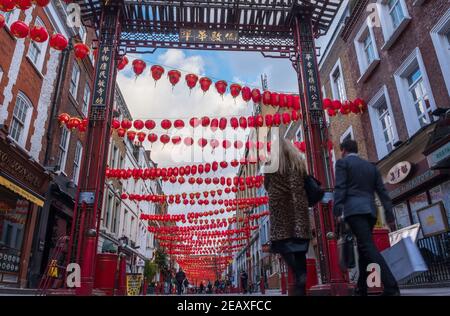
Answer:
(23, 183)
(421, 194)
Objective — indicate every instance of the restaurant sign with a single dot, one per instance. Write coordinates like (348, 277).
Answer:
(399, 172)
(438, 155)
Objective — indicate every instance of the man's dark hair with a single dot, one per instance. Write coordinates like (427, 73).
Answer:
(350, 146)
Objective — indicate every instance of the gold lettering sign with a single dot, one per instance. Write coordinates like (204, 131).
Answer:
(209, 36)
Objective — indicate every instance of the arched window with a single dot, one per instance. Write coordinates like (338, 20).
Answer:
(20, 122)
(37, 51)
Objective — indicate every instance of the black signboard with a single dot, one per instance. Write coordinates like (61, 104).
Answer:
(101, 80)
(209, 36)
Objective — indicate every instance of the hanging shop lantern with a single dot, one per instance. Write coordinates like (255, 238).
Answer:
(256, 95)
(166, 124)
(238, 144)
(345, 108)
(38, 34)
(282, 100)
(138, 124)
(251, 121)
(327, 103)
(176, 140)
(274, 99)
(331, 112)
(157, 72)
(188, 141)
(19, 29)
(58, 42)
(123, 62)
(205, 121)
(336, 105)
(150, 124)
(286, 117)
(202, 142)
(164, 138)
(267, 98)
(73, 123)
(138, 66)
(205, 83)
(243, 122)
(226, 144)
(289, 101)
(235, 90)
(126, 124)
(259, 120)
(131, 135)
(214, 124)
(246, 94)
(269, 120)
(121, 132)
(295, 115)
(141, 136)
(174, 77)
(194, 122)
(81, 50)
(63, 118)
(362, 106)
(152, 137)
(23, 4)
(222, 123)
(191, 80)
(178, 124)
(234, 122)
(7, 5)
(296, 102)
(221, 87)
(214, 143)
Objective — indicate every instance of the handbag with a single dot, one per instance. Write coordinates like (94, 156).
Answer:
(345, 245)
(313, 190)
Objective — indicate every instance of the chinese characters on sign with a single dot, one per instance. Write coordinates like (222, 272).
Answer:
(101, 80)
(311, 81)
(209, 36)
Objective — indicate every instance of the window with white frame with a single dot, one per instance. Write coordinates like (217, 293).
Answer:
(108, 210)
(82, 33)
(75, 77)
(21, 118)
(115, 217)
(415, 92)
(440, 34)
(348, 134)
(337, 82)
(366, 50)
(37, 51)
(394, 17)
(1, 74)
(299, 134)
(383, 123)
(63, 148)
(11, 16)
(86, 98)
(77, 162)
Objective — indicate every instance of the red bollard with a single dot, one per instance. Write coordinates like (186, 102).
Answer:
(122, 290)
(261, 285)
(311, 273)
(283, 278)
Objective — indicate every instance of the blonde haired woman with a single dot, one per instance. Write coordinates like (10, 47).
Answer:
(289, 216)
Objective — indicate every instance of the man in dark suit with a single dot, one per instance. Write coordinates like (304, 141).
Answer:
(357, 181)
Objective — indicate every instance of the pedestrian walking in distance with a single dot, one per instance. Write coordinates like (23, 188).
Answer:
(289, 215)
(357, 181)
(244, 280)
(180, 277)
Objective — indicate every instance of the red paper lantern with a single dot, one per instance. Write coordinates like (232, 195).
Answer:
(226, 144)
(353, 107)
(191, 80)
(7, 5)
(131, 135)
(221, 87)
(63, 118)
(19, 29)
(243, 122)
(141, 136)
(176, 140)
(174, 77)
(327, 103)
(164, 138)
(234, 122)
(205, 83)
(121, 132)
(157, 72)
(126, 124)
(178, 124)
(331, 112)
(256, 95)
(269, 120)
(138, 124)
(205, 121)
(122, 63)
(138, 66)
(73, 123)
(289, 100)
(296, 102)
(235, 90)
(282, 100)
(274, 99)
(188, 141)
(194, 122)
(251, 121)
(267, 98)
(58, 42)
(286, 118)
(23, 4)
(246, 94)
(166, 124)
(238, 144)
(202, 142)
(214, 124)
(38, 34)
(345, 108)
(222, 123)
(152, 137)
(336, 105)
(214, 143)
(150, 124)
(81, 50)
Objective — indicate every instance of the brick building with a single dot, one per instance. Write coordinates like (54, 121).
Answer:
(28, 74)
(395, 55)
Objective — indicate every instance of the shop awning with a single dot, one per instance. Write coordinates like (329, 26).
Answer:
(23, 193)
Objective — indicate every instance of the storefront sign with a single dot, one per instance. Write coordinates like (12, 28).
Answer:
(23, 193)
(399, 172)
(438, 155)
(433, 219)
(101, 84)
(14, 167)
(413, 183)
(209, 36)
(134, 282)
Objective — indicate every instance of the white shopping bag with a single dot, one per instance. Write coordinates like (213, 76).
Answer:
(404, 259)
